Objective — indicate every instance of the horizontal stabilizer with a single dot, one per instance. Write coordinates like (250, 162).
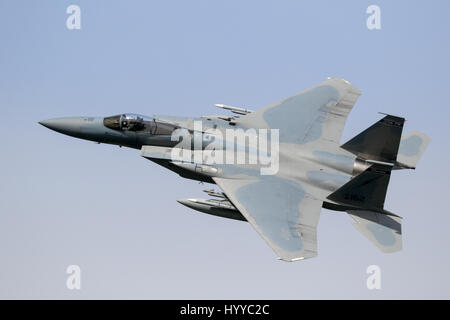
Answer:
(412, 146)
(382, 230)
(379, 142)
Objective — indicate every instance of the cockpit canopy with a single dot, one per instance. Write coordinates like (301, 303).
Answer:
(128, 121)
(137, 122)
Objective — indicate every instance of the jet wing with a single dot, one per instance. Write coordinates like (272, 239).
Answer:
(280, 210)
(318, 113)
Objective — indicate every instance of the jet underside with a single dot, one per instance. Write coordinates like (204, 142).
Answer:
(296, 165)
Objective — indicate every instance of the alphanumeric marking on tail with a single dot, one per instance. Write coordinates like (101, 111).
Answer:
(354, 197)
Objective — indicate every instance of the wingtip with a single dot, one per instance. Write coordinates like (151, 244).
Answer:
(291, 260)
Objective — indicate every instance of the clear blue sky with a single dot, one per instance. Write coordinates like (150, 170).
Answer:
(65, 201)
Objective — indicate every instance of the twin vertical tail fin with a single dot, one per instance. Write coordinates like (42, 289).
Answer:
(380, 148)
(376, 148)
(384, 142)
(367, 190)
(380, 142)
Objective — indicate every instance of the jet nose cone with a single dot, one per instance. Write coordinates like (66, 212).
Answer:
(46, 123)
(184, 202)
(70, 126)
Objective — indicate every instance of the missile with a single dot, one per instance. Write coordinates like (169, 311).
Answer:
(234, 109)
(213, 193)
(219, 208)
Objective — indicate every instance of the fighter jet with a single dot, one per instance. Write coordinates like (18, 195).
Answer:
(280, 191)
